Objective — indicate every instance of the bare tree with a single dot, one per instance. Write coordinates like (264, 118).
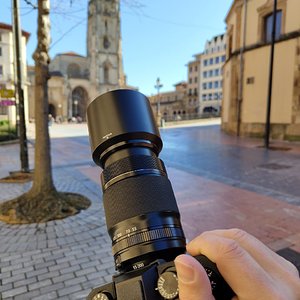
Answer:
(43, 181)
(43, 202)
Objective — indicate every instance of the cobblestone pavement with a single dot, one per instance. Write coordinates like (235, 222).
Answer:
(61, 259)
(64, 259)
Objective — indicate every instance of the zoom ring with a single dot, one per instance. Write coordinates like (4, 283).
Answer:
(146, 236)
(132, 163)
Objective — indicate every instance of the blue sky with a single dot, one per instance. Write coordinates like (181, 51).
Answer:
(159, 37)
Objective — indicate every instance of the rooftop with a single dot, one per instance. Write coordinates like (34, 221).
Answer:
(10, 28)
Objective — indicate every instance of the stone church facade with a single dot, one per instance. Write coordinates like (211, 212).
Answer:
(75, 79)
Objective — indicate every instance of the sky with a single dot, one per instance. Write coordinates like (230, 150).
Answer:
(159, 37)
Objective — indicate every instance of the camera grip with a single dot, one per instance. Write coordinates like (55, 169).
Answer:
(220, 288)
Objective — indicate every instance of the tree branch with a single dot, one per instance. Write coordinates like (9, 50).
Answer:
(31, 4)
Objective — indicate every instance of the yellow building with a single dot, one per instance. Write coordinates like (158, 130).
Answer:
(246, 71)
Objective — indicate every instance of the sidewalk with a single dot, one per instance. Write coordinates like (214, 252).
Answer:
(64, 259)
(61, 259)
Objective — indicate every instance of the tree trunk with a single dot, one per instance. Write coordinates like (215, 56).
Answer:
(43, 181)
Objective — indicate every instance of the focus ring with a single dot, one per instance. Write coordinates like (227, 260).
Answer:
(147, 235)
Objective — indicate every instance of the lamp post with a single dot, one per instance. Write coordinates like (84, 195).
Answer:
(19, 85)
(158, 86)
(270, 86)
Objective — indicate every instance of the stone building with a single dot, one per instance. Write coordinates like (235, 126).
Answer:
(8, 73)
(171, 105)
(246, 71)
(75, 79)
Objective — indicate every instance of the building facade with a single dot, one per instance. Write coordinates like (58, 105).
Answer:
(246, 71)
(205, 77)
(75, 79)
(193, 100)
(201, 95)
(171, 105)
(8, 74)
(211, 76)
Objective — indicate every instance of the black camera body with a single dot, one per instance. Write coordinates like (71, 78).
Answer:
(157, 281)
(141, 212)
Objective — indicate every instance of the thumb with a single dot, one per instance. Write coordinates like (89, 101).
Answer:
(192, 279)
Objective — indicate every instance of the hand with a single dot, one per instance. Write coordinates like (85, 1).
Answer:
(252, 270)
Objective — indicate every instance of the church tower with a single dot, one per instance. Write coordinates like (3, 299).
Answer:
(104, 51)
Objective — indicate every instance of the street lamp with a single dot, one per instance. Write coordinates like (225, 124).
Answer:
(158, 86)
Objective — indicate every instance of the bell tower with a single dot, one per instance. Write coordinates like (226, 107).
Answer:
(104, 50)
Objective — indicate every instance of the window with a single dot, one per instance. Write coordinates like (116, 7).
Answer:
(190, 92)
(191, 69)
(205, 62)
(250, 80)
(106, 42)
(204, 97)
(217, 59)
(211, 61)
(204, 86)
(195, 79)
(217, 72)
(265, 19)
(73, 70)
(196, 68)
(1, 70)
(106, 74)
(223, 58)
(0, 51)
(220, 95)
(210, 73)
(268, 25)
(190, 80)
(216, 84)
(205, 74)
(210, 85)
(209, 96)
(216, 96)
(195, 92)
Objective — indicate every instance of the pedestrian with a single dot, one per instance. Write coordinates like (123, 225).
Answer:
(253, 271)
(50, 119)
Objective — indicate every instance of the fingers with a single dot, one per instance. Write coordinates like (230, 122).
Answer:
(265, 257)
(192, 279)
(236, 265)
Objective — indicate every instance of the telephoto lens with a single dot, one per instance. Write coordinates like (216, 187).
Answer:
(142, 216)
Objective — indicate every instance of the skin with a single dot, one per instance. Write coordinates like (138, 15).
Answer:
(253, 271)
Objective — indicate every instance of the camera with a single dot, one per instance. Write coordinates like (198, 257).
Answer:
(142, 215)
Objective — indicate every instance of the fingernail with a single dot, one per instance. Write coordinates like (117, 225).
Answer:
(185, 272)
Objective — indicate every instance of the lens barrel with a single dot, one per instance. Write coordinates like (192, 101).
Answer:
(140, 207)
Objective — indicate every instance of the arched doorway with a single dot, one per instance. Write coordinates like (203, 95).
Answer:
(79, 103)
